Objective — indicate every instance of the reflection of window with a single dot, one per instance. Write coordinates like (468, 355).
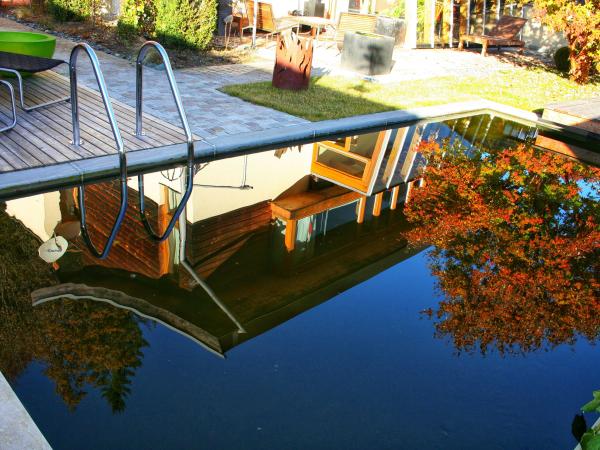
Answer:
(309, 229)
(354, 5)
(350, 161)
(172, 199)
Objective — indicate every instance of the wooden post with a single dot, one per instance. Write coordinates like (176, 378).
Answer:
(394, 201)
(164, 217)
(377, 204)
(290, 234)
(409, 187)
(410, 40)
(360, 210)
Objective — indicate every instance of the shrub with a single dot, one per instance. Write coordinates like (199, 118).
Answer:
(580, 22)
(137, 17)
(186, 23)
(398, 10)
(176, 23)
(561, 59)
(73, 10)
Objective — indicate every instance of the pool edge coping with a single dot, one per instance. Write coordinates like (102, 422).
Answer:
(42, 179)
(17, 428)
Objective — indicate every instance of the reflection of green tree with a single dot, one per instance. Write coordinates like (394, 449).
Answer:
(80, 342)
(516, 247)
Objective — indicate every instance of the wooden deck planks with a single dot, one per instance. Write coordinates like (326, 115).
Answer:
(582, 114)
(43, 137)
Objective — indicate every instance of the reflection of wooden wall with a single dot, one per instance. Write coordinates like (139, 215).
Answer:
(133, 250)
(213, 241)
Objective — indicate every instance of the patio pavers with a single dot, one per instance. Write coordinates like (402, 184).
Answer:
(210, 112)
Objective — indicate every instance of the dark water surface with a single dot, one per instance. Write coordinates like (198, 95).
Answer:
(465, 318)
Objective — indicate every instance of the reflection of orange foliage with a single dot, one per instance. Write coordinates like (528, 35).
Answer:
(83, 344)
(516, 246)
(89, 344)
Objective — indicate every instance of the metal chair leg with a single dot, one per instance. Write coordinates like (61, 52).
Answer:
(22, 95)
(11, 92)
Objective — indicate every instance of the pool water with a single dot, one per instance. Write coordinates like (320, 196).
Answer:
(429, 287)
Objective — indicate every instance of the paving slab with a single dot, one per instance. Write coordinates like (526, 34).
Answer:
(18, 431)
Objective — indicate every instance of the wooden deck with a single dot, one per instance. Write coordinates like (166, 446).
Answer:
(581, 115)
(42, 137)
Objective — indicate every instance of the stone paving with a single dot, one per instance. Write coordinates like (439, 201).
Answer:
(419, 64)
(210, 112)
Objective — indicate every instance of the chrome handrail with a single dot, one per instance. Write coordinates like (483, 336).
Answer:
(77, 142)
(138, 131)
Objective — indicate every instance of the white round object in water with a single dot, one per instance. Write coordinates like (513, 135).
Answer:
(50, 251)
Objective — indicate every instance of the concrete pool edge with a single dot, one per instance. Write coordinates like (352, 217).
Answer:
(48, 178)
(17, 428)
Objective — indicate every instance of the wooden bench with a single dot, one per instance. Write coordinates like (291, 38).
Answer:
(365, 23)
(504, 34)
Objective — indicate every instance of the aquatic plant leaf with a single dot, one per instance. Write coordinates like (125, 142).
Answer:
(590, 441)
(592, 406)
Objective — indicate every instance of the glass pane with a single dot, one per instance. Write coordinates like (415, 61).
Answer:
(341, 162)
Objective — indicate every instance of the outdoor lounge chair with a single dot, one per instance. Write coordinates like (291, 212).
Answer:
(15, 63)
(504, 34)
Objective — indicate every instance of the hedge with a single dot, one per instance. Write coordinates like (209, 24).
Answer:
(176, 23)
(73, 10)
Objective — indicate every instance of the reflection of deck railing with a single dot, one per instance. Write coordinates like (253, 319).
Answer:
(138, 131)
(34, 180)
(77, 142)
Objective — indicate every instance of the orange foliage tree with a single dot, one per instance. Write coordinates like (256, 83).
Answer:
(516, 246)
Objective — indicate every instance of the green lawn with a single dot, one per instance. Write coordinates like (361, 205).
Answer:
(336, 97)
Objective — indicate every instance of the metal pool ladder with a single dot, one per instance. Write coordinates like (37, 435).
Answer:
(119, 143)
(77, 142)
(138, 131)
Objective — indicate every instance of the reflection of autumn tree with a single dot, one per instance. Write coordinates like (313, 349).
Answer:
(516, 246)
(20, 272)
(82, 343)
(87, 343)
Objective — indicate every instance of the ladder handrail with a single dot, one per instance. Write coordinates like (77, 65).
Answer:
(138, 131)
(77, 142)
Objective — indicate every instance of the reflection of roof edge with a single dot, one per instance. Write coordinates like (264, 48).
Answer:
(272, 319)
(136, 305)
(219, 345)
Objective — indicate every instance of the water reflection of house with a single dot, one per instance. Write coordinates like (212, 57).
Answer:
(238, 241)
(301, 193)
(260, 284)
(305, 192)
(317, 220)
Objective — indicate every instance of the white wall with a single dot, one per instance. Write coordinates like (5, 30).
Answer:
(40, 213)
(540, 38)
(267, 174)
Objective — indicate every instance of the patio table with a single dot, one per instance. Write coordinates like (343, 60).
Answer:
(313, 21)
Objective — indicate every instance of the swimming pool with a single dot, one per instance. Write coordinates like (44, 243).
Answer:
(431, 286)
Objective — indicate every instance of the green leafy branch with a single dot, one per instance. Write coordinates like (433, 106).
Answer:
(591, 438)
